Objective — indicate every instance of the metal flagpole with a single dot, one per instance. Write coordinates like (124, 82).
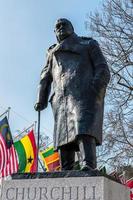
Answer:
(4, 113)
(42, 165)
(25, 130)
(9, 108)
(38, 135)
(7, 111)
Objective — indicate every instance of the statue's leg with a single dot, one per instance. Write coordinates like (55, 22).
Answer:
(67, 158)
(87, 147)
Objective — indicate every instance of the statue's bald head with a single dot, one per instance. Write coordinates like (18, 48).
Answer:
(63, 29)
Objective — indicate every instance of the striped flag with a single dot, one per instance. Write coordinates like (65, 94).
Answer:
(8, 158)
(3, 153)
(27, 153)
(51, 159)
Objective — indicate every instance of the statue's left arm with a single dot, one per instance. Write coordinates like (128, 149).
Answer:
(99, 64)
(44, 86)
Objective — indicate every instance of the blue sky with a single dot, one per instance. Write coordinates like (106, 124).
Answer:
(26, 31)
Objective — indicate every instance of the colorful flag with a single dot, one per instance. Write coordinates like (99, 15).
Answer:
(129, 184)
(51, 159)
(8, 158)
(27, 153)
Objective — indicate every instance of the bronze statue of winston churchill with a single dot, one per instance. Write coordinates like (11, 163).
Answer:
(78, 73)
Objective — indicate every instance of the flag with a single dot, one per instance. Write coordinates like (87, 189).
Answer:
(8, 157)
(129, 184)
(27, 153)
(51, 159)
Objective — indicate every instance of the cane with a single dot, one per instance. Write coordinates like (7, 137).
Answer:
(38, 136)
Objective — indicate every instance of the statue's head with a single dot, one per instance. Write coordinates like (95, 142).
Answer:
(63, 29)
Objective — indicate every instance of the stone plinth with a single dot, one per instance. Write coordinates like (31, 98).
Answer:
(64, 188)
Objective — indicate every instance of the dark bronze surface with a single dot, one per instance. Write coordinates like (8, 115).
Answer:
(79, 74)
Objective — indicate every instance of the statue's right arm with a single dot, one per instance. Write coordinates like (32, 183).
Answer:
(101, 70)
(44, 87)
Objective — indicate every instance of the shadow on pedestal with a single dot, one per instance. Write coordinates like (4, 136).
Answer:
(62, 174)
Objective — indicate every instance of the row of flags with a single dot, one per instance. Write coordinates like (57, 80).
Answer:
(21, 156)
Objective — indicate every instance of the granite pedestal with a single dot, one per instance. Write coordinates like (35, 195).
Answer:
(63, 188)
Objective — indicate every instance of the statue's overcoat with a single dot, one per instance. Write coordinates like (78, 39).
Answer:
(79, 74)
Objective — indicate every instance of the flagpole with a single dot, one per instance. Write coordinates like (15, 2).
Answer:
(38, 135)
(25, 130)
(42, 165)
(7, 111)
(9, 108)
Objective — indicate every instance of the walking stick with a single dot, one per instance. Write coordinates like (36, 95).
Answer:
(38, 135)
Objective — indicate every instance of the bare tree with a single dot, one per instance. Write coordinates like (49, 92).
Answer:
(112, 26)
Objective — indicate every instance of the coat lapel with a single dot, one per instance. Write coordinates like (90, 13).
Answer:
(70, 44)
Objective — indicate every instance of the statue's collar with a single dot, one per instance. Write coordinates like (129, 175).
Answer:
(72, 38)
(68, 44)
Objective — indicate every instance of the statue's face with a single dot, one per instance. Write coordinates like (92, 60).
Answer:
(63, 29)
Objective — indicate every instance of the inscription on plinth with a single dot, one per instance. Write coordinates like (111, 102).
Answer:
(52, 193)
(84, 188)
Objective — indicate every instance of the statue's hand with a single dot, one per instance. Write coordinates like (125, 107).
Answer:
(38, 107)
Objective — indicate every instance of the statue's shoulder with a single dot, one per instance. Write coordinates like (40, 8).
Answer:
(50, 50)
(86, 38)
(87, 41)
